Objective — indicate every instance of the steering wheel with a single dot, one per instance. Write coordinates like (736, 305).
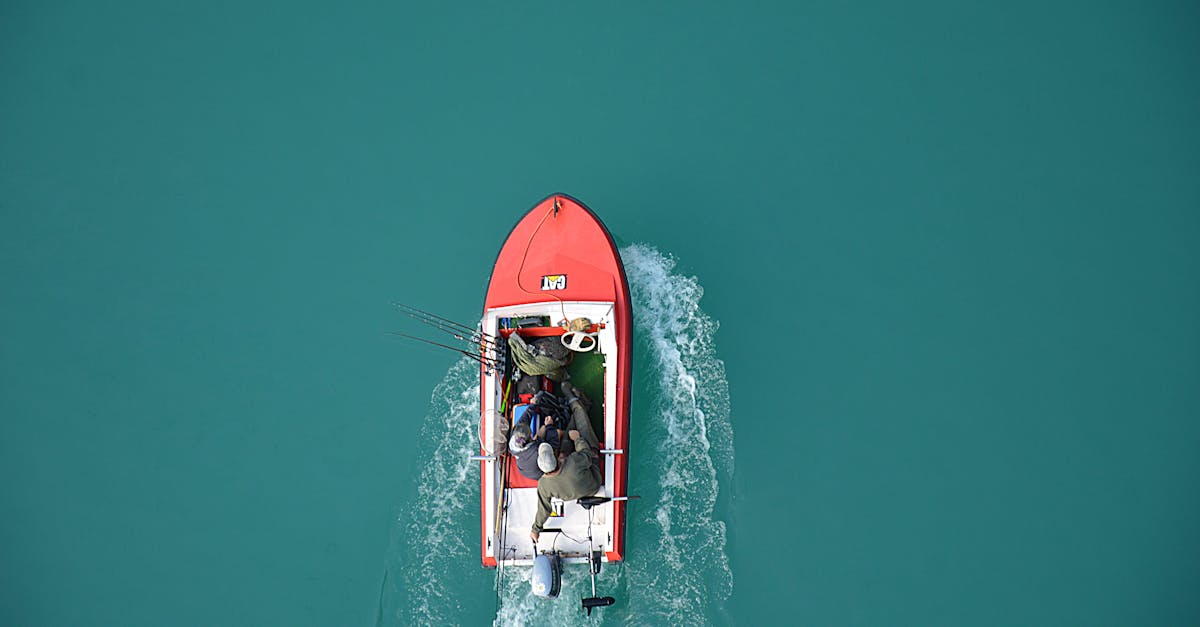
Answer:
(579, 341)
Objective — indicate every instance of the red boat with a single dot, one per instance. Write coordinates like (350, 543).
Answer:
(558, 279)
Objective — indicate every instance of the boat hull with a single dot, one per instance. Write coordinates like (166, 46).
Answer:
(559, 262)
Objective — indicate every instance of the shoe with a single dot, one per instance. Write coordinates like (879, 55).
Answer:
(575, 394)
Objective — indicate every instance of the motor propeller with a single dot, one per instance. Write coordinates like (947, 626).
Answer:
(591, 602)
(588, 502)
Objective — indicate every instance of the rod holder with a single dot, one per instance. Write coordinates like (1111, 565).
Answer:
(483, 458)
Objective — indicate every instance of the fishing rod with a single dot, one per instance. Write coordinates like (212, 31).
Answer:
(502, 523)
(428, 316)
(458, 330)
(431, 315)
(487, 361)
(475, 338)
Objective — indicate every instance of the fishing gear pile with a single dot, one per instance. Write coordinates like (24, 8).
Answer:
(537, 359)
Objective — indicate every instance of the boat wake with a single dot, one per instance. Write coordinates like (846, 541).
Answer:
(436, 535)
(679, 569)
(518, 605)
(682, 449)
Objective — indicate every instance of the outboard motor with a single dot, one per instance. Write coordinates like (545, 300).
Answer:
(546, 578)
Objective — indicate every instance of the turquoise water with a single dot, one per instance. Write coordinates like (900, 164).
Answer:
(947, 359)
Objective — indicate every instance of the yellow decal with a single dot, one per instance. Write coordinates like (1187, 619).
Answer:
(554, 282)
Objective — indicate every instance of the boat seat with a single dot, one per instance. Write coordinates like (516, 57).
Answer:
(519, 412)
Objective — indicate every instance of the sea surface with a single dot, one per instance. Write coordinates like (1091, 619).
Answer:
(916, 292)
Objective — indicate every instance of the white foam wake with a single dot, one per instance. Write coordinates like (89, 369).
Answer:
(437, 531)
(685, 571)
(520, 608)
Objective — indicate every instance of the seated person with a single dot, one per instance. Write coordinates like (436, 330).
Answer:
(568, 477)
(524, 448)
(550, 433)
(544, 414)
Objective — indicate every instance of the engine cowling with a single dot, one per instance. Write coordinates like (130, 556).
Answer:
(546, 578)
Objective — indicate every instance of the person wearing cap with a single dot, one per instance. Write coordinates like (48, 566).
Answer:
(568, 477)
(524, 448)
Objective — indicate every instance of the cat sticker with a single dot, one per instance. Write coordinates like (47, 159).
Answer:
(554, 282)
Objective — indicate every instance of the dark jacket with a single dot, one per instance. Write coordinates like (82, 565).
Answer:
(527, 460)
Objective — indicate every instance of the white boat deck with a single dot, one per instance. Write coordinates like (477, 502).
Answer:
(509, 543)
(571, 542)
